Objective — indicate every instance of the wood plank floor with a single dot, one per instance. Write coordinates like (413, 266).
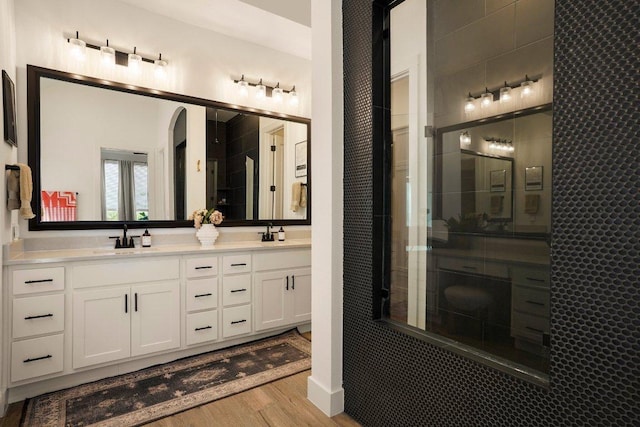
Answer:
(279, 403)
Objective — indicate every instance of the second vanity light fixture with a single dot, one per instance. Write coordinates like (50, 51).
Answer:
(504, 94)
(110, 56)
(264, 91)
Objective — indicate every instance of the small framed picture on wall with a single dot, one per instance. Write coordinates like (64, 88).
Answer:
(301, 159)
(533, 178)
(9, 108)
(497, 180)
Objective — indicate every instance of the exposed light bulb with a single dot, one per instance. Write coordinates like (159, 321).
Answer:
(465, 138)
(276, 94)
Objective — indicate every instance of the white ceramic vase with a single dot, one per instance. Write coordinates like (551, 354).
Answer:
(207, 234)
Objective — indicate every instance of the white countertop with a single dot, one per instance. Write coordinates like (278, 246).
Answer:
(96, 254)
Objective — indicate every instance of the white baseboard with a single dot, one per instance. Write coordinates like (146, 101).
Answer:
(329, 402)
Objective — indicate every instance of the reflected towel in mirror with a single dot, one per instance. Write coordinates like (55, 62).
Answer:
(295, 195)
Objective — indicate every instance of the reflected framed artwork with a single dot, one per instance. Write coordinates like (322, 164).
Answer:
(533, 178)
(9, 108)
(301, 159)
(497, 180)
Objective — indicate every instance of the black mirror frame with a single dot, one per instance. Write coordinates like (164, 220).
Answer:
(34, 73)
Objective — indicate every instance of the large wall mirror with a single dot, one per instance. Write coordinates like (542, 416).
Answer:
(467, 177)
(104, 154)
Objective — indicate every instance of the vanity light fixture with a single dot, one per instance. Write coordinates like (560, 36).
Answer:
(526, 87)
(276, 94)
(505, 93)
(263, 91)
(465, 138)
(135, 61)
(293, 97)
(107, 55)
(470, 104)
(78, 48)
(160, 66)
(500, 144)
(486, 99)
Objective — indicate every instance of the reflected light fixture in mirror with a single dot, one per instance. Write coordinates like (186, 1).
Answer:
(526, 87)
(465, 138)
(78, 48)
(135, 62)
(486, 99)
(470, 104)
(505, 93)
(107, 56)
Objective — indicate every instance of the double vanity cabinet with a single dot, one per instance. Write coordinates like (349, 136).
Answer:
(84, 316)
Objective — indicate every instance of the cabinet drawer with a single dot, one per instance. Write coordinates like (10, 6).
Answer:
(275, 260)
(531, 276)
(232, 264)
(529, 326)
(38, 280)
(531, 300)
(124, 272)
(202, 294)
(236, 290)
(236, 321)
(38, 315)
(202, 267)
(202, 327)
(36, 357)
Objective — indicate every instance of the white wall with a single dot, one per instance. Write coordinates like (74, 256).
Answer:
(7, 152)
(202, 63)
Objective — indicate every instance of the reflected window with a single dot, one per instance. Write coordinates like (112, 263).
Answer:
(125, 186)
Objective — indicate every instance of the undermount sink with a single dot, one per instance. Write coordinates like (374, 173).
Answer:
(123, 251)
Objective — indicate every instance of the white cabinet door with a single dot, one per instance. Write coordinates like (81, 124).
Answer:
(155, 317)
(101, 330)
(300, 292)
(270, 293)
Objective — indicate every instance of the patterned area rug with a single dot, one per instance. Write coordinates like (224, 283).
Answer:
(156, 392)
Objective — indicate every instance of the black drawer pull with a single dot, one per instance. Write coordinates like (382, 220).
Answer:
(29, 282)
(204, 267)
(238, 290)
(38, 317)
(534, 329)
(534, 279)
(203, 295)
(135, 301)
(203, 328)
(535, 303)
(48, 356)
(235, 322)
(126, 303)
(469, 267)
(240, 264)
(293, 282)
(287, 288)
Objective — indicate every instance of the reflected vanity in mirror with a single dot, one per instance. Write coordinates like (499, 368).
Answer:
(150, 158)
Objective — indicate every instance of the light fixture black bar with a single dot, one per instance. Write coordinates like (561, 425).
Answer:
(122, 58)
(269, 88)
(496, 92)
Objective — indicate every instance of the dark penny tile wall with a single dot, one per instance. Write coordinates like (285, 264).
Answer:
(392, 379)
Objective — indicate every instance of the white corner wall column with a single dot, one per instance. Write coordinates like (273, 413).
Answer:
(325, 383)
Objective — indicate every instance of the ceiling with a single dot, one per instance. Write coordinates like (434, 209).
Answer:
(283, 25)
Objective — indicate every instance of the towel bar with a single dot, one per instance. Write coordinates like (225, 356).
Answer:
(11, 167)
